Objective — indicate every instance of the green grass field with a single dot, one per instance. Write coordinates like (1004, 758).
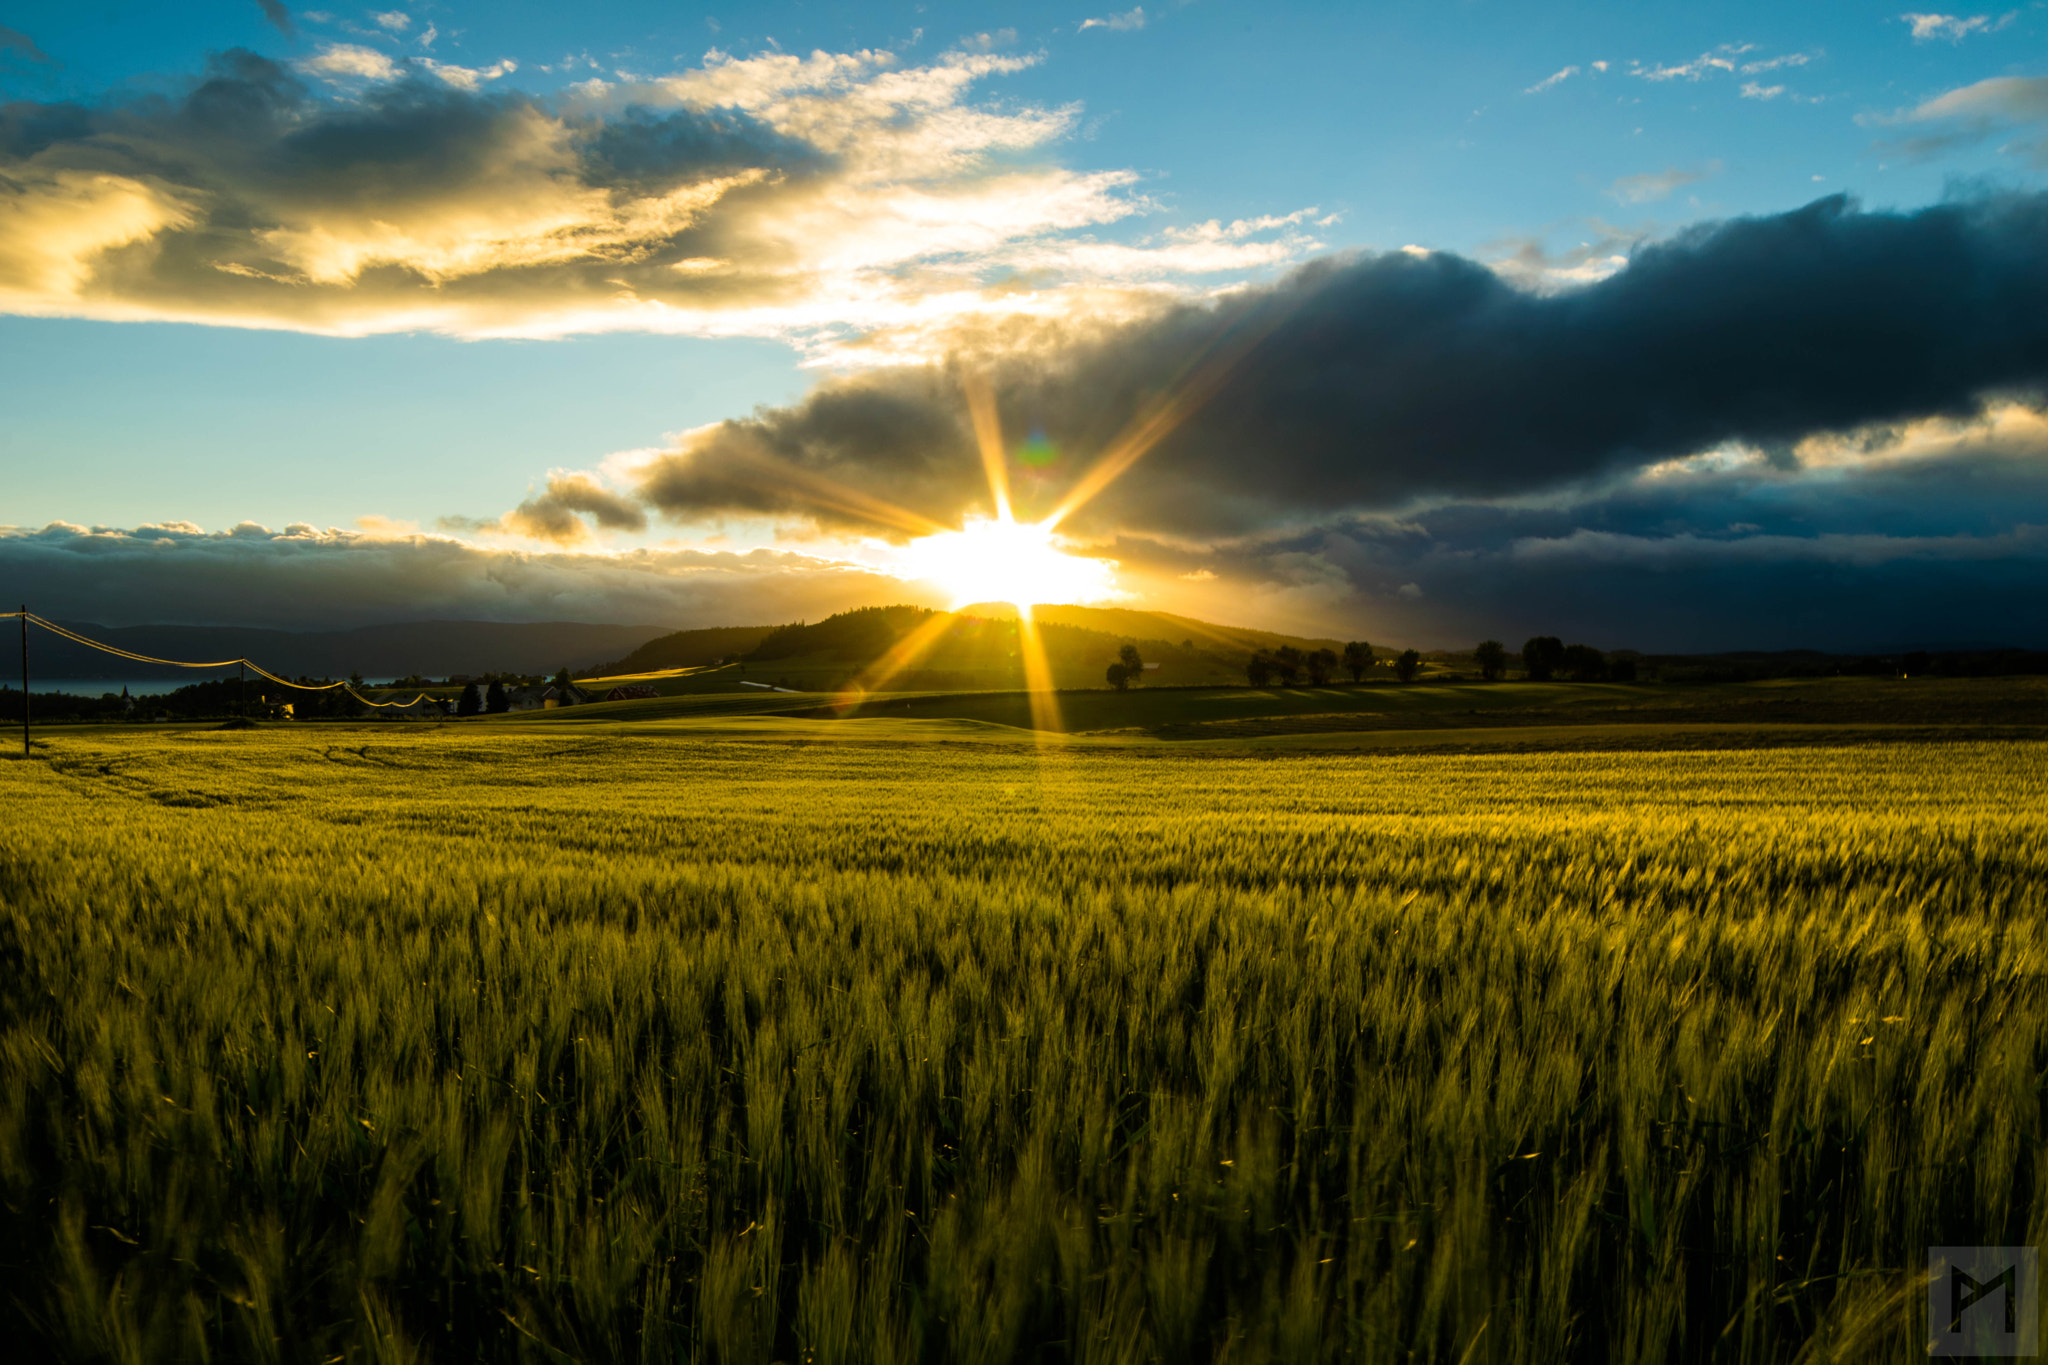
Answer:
(731, 1037)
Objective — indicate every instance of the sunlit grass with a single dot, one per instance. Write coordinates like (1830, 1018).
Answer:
(534, 1044)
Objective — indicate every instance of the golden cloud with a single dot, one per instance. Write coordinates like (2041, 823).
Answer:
(802, 197)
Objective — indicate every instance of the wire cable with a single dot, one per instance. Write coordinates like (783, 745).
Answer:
(251, 664)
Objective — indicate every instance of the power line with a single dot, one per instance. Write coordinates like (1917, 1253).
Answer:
(27, 616)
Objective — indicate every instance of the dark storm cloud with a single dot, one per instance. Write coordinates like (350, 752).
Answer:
(1370, 381)
(280, 18)
(1929, 535)
(23, 46)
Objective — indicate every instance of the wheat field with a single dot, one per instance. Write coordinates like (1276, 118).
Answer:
(922, 1043)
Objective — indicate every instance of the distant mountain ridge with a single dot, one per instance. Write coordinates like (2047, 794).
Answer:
(976, 647)
(431, 648)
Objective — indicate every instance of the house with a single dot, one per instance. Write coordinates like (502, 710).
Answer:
(631, 692)
(525, 698)
(555, 696)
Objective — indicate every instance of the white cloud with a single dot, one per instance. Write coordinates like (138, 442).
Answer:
(1777, 63)
(2009, 97)
(1650, 186)
(853, 204)
(396, 21)
(1555, 78)
(1117, 23)
(1973, 113)
(1751, 90)
(1722, 58)
(466, 77)
(348, 61)
(1928, 28)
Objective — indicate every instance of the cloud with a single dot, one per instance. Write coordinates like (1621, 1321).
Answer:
(250, 575)
(392, 21)
(814, 198)
(1117, 23)
(1368, 382)
(1650, 186)
(1722, 59)
(23, 46)
(1973, 113)
(1753, 90)
(1929, 27)
(350, 61)
(1555, 78)
(1777, 63)
(1529, 264)
(1889, 536)
(280, 18)
(552, 515)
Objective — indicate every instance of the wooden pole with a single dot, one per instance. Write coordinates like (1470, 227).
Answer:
(24, 681)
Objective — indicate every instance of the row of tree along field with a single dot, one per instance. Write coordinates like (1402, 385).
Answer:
(1543, 658)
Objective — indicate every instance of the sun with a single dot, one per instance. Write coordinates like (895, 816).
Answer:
(1005, 561)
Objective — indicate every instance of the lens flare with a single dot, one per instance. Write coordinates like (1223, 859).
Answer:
(1037, 451)
(1005, 561)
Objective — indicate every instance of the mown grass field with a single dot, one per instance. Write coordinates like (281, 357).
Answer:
(760, 1039)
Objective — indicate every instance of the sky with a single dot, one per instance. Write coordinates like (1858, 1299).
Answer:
(1666, 327)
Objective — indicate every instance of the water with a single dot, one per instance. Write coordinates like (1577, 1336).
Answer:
(95, 687)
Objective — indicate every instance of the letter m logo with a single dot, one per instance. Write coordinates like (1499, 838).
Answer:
(1964, 1292)
(1983, 1301)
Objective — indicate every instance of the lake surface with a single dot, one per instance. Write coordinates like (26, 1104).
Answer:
(94, 687)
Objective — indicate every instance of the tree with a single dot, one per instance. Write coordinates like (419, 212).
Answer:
(1358, 658)
(1259, 671)
(1585, 663)
(1320, 665)
(1119, 676)
(565, 690)
(495, 700)
(1408, 665)
(1621, 670)
(1919, 661)
(1287, 663)
(1134, 666)
(1541, 656)
(1492, 658)
(472, 702)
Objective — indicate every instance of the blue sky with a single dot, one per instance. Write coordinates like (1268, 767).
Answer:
(968, 168)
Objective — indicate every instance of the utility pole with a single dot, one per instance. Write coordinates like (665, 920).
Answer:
(24, 681)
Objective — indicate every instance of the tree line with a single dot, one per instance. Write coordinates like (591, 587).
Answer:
(1543, 657)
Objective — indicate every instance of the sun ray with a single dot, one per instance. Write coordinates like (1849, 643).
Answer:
(1205, 374)
(1045, 703)
(906, 653)
(988, 434)
(766, 471)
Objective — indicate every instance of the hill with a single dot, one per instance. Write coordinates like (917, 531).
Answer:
(980, 647)
(687, 649)
(1134, 624)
